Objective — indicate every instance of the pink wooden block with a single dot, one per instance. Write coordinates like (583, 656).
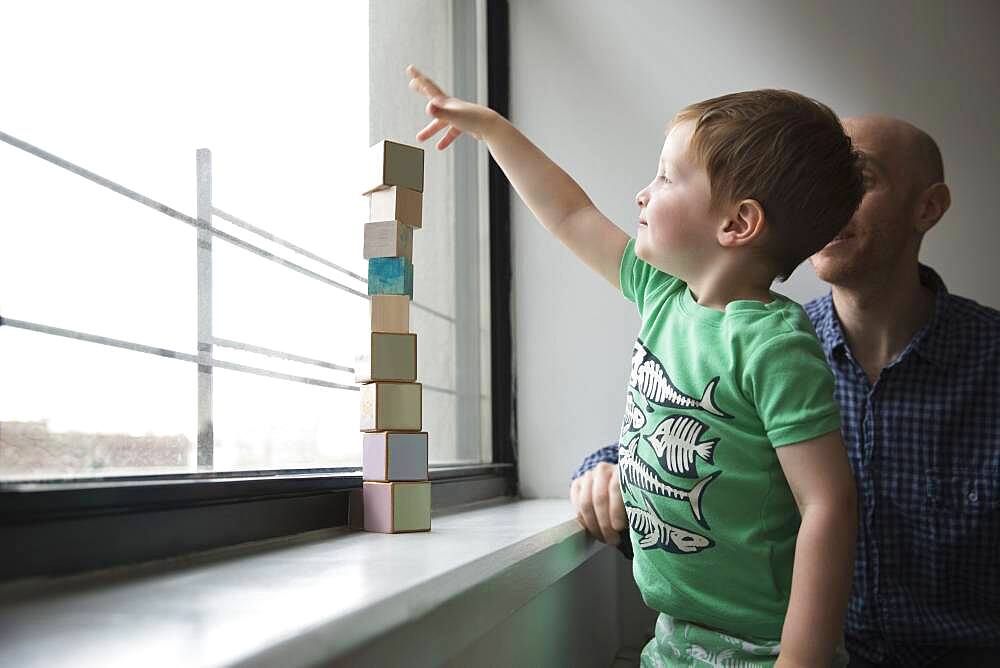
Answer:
(397, 507)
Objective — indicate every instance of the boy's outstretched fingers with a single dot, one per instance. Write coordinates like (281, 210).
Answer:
(432, 129)
(458, 116)
(448, 138)
(421, 83)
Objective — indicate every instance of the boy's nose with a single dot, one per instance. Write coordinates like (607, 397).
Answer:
(641, 198)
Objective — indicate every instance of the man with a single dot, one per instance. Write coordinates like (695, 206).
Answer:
(918, 382)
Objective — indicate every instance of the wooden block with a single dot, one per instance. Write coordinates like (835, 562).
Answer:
(388, 239)
(395, 164)
(400, 204)
(391, 406)
(390, 276)
(390, 313)
(389, 357)
(394, 455)
(397, 507)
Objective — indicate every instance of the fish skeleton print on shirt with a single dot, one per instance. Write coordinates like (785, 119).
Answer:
(711, 395)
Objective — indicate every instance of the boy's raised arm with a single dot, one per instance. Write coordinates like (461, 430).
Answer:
(558, 202)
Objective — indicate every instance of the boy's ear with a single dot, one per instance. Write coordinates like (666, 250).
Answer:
(743, 225)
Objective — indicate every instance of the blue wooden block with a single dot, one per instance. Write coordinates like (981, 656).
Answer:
(390, 276)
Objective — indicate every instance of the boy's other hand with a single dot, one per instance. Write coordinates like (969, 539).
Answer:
(449, 112)
(597, 497)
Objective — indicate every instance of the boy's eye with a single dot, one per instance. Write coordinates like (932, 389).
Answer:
(663, 177)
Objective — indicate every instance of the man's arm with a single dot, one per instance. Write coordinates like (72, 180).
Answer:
(556, 200)
(821, 480)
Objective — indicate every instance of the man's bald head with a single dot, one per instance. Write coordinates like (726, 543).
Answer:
(902, 145)
(905, 196)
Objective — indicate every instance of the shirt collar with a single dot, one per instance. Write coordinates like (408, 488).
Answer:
(930, 341)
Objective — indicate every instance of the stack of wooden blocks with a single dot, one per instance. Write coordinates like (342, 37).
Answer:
(396, 492)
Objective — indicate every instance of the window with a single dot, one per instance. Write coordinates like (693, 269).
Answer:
(106, 306)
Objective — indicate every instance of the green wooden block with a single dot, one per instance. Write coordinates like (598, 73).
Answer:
(390, 276)
(389, 357)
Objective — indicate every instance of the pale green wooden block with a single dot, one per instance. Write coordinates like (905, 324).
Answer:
(412, 506)
(395, 164)
(389, 357)
(391, 406)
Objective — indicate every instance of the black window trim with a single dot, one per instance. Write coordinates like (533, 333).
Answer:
(65, 526)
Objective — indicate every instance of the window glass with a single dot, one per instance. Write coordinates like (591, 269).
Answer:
(286, 97)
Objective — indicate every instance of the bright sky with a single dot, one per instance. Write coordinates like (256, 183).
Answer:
(279, 93)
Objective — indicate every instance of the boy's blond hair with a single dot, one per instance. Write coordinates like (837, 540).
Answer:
(788, 152)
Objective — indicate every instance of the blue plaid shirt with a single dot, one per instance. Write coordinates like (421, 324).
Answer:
(924, 443)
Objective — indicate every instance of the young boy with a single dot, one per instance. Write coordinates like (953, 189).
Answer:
(736, 483)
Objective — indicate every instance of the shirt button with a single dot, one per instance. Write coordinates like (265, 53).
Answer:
(973, 497)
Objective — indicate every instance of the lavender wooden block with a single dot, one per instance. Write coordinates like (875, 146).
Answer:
(390, 276)
(392, 455)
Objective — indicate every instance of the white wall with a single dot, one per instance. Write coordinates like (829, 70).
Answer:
(594, 83)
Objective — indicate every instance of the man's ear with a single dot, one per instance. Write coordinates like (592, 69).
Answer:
(933, 203)
(743, 225)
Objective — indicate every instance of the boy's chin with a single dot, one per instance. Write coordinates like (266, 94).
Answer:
(652, 258)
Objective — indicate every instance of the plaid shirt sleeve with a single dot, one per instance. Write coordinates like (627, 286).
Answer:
(608, 453)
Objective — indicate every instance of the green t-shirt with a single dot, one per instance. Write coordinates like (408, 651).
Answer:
(711, 395)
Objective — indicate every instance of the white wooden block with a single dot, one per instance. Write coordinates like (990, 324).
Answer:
(400, 204)
(388, 239)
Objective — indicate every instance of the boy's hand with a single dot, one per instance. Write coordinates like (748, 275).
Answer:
(449, 112)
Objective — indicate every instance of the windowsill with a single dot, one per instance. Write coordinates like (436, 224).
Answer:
(315, 598)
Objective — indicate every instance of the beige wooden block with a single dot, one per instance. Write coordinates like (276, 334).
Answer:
(388, 239)
(390, 313)
(389, 406)
(397, 507)
(395, 164)
(400, 204)
(389, 357)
